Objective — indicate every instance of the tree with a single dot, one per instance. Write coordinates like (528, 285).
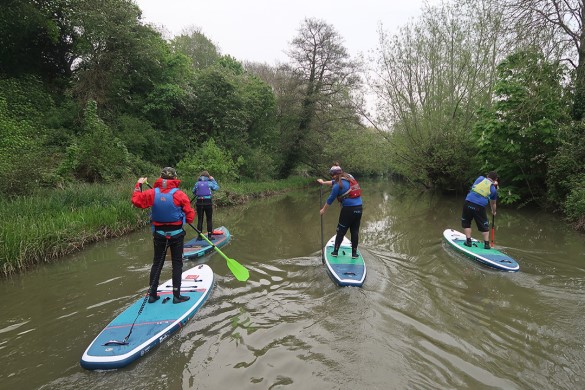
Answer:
(519, 135)
(326, 74)
(562, 21)
(195, 45)
(430, 80)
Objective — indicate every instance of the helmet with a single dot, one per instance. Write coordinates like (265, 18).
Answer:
(168, 173)
(335, 170)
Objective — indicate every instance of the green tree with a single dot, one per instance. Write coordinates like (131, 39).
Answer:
(196, 46)
(519, 135)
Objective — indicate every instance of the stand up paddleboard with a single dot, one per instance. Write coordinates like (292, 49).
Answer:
(344, 270)
(195, 248)
(156, 322)
(490, 257)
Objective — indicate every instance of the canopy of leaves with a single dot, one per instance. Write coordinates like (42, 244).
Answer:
(519, 135)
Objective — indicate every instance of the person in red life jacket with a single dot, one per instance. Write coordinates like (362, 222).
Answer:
(483, 190)
(171, 208)
(202, 190)
(348, 192)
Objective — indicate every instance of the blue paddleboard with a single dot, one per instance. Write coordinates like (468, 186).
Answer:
(344, 270)
(155, 324)
(490, 257)
(195, 248)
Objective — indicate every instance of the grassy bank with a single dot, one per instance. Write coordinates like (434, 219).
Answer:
(43, 227)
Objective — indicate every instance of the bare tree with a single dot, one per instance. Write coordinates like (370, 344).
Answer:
(322, 65)
(563, 21)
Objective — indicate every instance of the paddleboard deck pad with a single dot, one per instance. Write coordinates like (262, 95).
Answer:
(196, 248)
(490, 257)
(155, 324)
(344, 270)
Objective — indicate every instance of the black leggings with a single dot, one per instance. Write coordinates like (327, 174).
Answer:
(349, 218)
(206, 209)
(175, 243)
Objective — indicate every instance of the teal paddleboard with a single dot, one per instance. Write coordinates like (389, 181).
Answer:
(490, 257)
(142, 326)
(343, 269)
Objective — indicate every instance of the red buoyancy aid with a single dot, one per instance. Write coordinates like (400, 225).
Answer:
(354, 190)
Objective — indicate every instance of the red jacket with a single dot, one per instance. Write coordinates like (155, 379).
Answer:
(145, 199)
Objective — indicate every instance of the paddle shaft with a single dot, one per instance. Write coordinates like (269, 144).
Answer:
(492, 243)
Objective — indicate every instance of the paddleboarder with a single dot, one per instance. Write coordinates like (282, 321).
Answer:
(171, 208)
(483, 191)
(202, 191)
(348, 192)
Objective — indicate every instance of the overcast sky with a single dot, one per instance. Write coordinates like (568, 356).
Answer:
(261, 30)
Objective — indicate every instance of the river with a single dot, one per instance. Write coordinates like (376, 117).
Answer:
(426, 317)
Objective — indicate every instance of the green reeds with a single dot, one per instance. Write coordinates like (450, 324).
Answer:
(48, 225)
(45, 226)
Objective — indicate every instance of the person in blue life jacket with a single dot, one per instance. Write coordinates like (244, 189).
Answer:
(203, 192)
(348, 192)
(171, 208)
(483, 191)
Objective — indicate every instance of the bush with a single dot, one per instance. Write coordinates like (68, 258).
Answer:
(211, 158)
(96, 156)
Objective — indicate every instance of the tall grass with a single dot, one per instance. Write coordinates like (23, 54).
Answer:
(45, 226)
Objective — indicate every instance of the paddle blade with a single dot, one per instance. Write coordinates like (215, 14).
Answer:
(239, 271)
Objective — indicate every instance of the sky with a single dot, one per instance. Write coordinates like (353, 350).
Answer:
(261, 30)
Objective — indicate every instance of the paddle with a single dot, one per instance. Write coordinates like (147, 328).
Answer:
(239, 271)
(492, 243)
(321, 205)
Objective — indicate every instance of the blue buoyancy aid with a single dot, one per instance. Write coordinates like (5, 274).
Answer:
(164, 209)
(203, 189)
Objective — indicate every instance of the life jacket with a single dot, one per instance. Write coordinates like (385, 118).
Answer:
(483, 188)
(354, 190)
(203, 190)
(164, 208)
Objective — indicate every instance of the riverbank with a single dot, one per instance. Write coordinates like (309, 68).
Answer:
(43, 227)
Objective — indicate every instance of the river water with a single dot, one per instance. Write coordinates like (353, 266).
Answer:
(426, 317)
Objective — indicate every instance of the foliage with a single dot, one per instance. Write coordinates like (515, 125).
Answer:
(97, 155)
(520, 134)
(212, 158)
(198, 47)
(24, 163)
(433, 77)
(574, 206)
(566, 165)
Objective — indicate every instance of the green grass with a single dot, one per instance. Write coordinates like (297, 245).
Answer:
(45, 226)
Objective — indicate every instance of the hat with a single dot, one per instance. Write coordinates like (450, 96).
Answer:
(335, 170)
(168, 173)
